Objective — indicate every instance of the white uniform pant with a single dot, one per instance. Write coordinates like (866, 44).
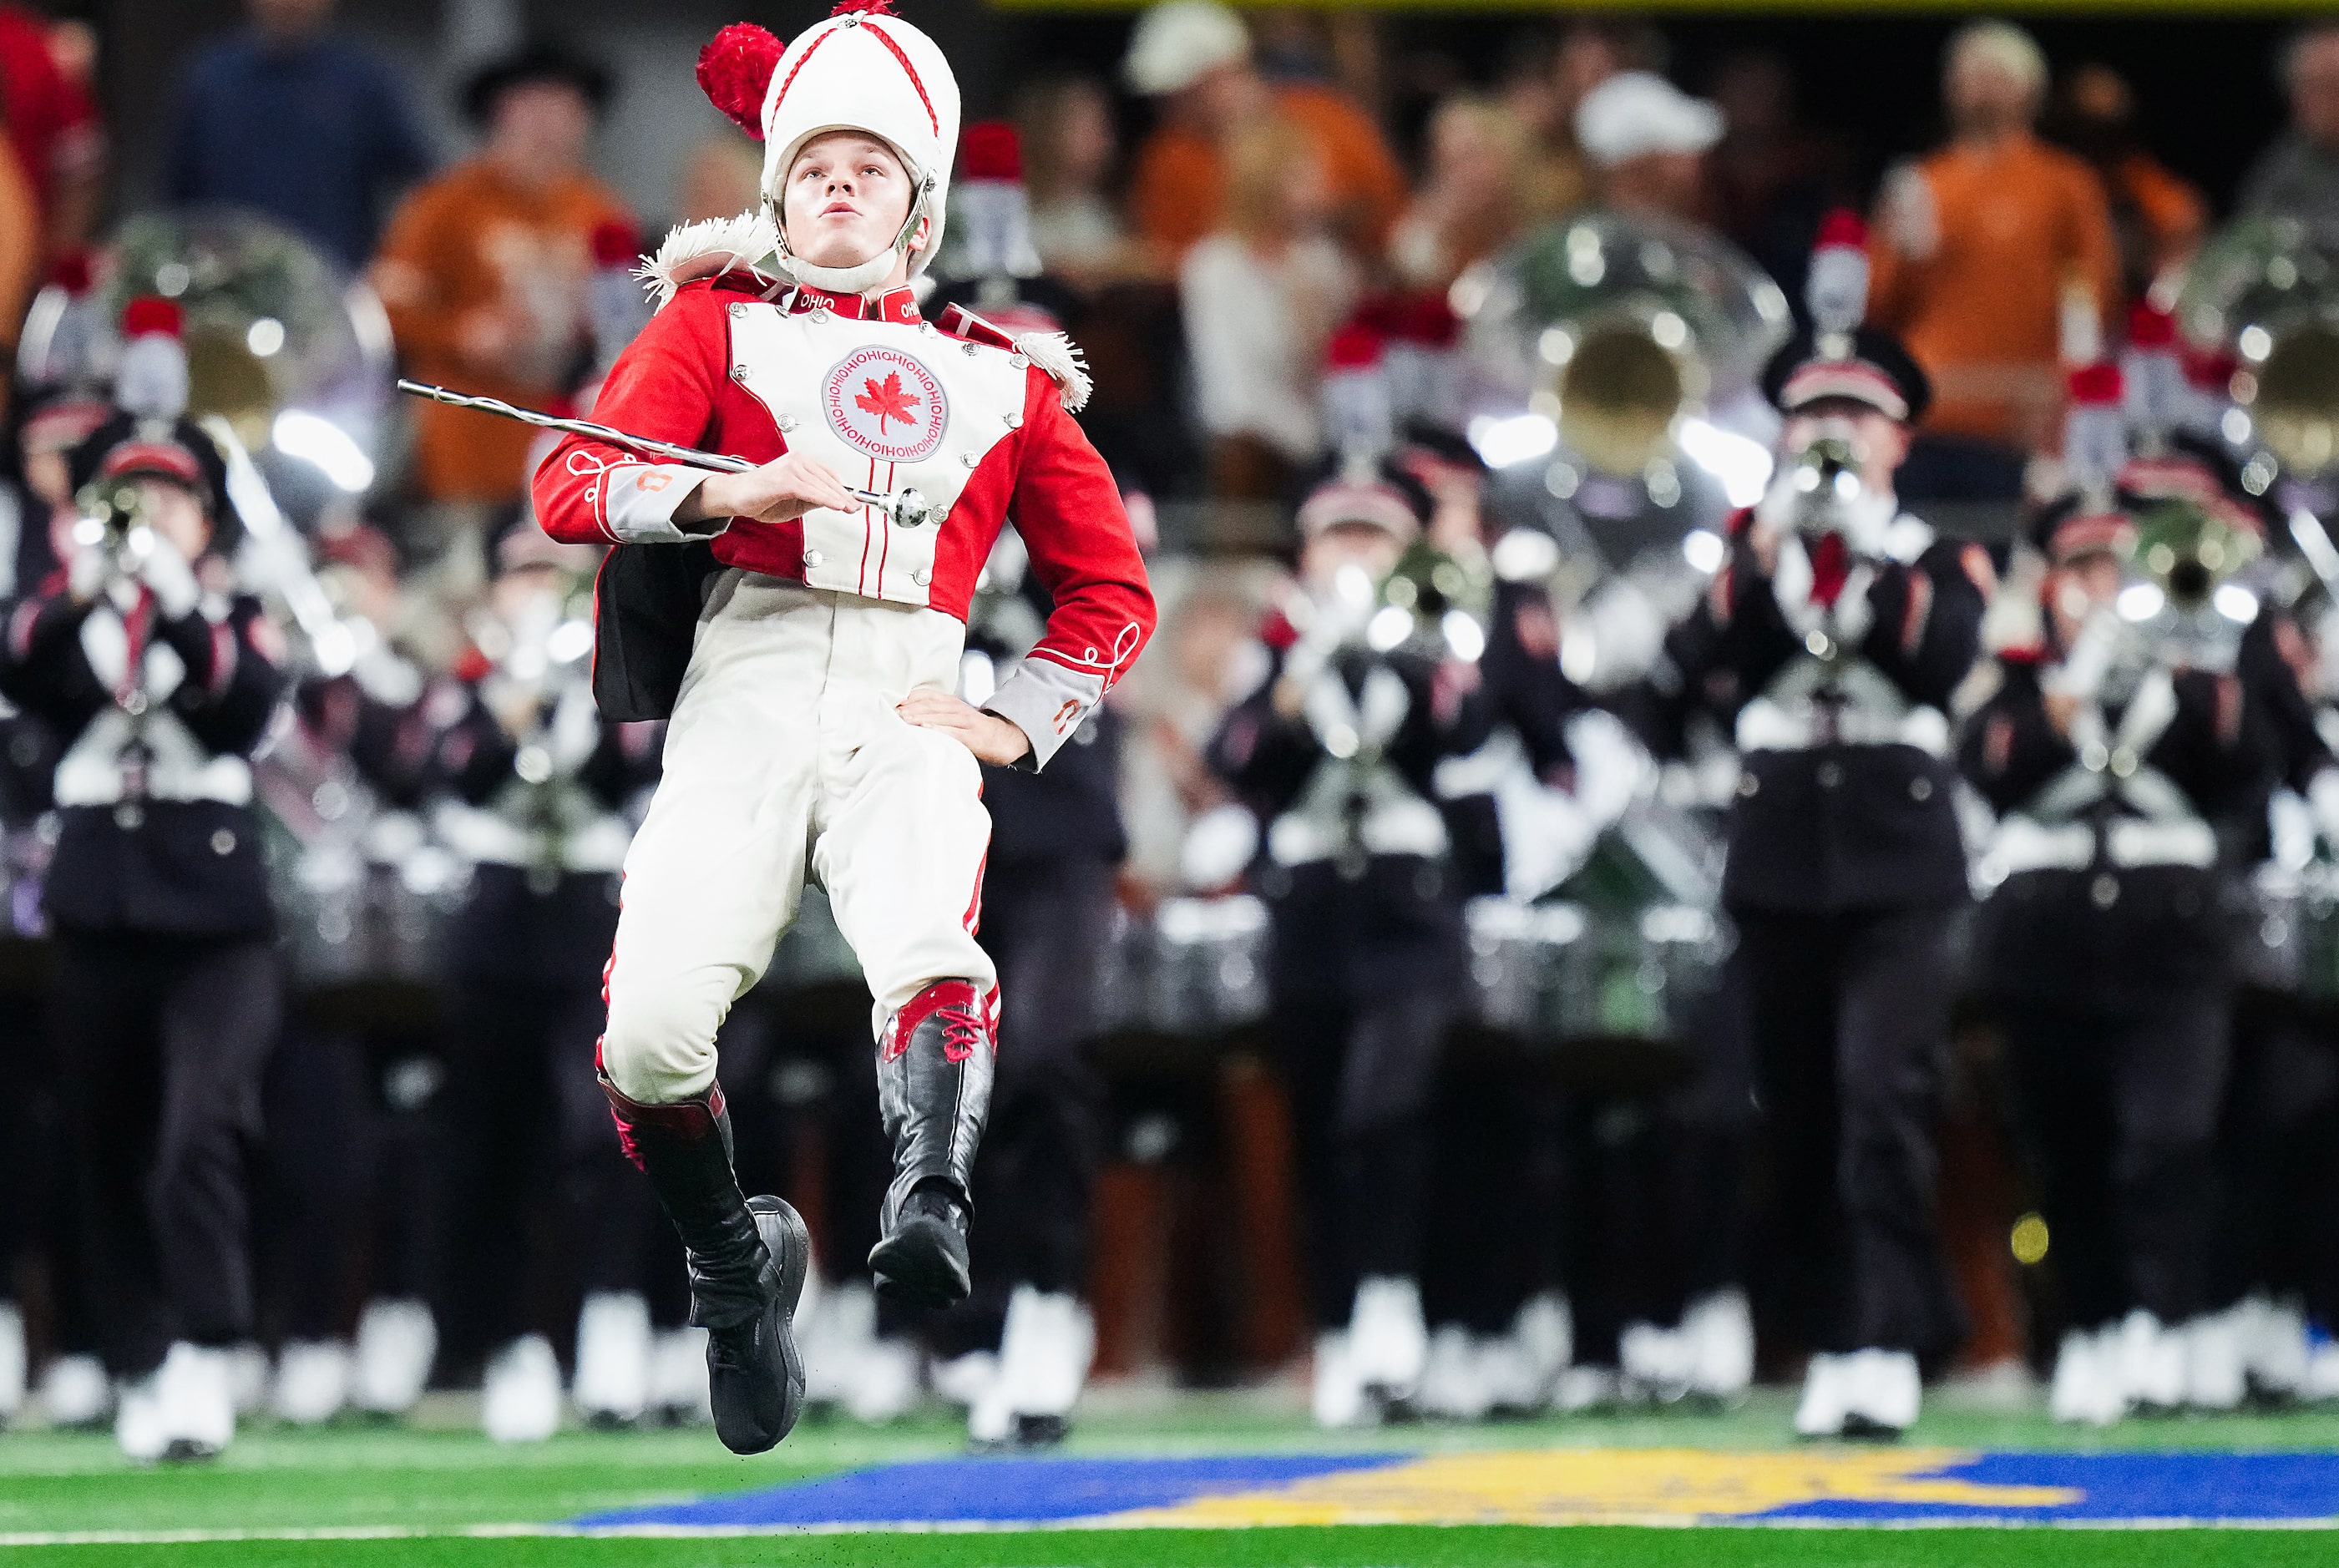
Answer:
(785, 757)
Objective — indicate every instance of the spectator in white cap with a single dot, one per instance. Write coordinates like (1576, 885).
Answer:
(1646, 140)
(1195, 56)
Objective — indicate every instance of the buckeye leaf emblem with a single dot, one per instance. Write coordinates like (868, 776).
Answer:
(888, 400)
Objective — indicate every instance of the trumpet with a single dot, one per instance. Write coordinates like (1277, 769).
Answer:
(114, 520)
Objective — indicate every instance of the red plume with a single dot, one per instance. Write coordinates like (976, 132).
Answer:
(151, 313)
(2148, 327)
(734, 71)
(1841, 227)
(863, 8)
(614, 243)
(75, 271)
(990, 150)
(2098, 385)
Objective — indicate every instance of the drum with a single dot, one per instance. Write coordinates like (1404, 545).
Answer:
(365, 939)
(1193, 977)
(1638, 977)
(1518, 955)
(1545, 974)
(2288, 944)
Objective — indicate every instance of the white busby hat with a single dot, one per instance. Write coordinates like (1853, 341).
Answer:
(860, 69)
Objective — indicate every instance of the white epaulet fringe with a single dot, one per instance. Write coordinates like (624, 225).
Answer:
(707, 248)
(1065, 364)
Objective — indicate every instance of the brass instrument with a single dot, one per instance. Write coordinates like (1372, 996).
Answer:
(2267, 290)
(1619, 329)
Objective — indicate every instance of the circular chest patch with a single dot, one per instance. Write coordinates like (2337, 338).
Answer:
(884, 403)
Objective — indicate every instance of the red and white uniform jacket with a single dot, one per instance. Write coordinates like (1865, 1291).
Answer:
(739, 365)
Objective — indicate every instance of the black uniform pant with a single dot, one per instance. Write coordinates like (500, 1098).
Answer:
(541, 1204)
(1047, 925)
(2279, 1164)
(2122, 1118)
(1850, 1015)
(163, 1041)
(1361, 1074)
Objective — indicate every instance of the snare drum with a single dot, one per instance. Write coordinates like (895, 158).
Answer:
(1195, 974)
(365, 941)
(1639, 976)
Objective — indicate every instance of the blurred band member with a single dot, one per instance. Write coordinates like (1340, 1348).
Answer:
(1831, 639)
(1335, 753)
(164, 989)
(2113, 763)
(541, 785)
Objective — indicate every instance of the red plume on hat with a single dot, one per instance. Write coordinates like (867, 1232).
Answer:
(615, 243)
(991, 150)
(2095, 430)
(1836, 290)
(151, 380)
(735, 71)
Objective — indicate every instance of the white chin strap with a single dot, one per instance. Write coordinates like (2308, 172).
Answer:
(861, 277)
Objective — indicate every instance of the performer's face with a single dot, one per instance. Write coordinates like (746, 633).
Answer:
(847, 197)
(1880, 442)
(174, 511)
(2081, 586)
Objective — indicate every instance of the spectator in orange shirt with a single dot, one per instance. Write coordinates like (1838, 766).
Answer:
(484, 273)
(1195, 56)
(1978, 250)
(2157, 218)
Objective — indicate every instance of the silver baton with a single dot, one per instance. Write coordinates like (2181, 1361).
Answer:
(906, 507)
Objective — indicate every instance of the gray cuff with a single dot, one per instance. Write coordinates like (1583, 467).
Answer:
(1047, 702)
(638, 501)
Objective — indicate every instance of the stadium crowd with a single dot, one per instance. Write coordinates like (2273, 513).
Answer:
(1465, 967)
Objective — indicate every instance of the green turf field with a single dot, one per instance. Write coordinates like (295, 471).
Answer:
(447, 1496)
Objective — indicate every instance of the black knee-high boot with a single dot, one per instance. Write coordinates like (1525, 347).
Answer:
(934, 1068)
(748, 1257)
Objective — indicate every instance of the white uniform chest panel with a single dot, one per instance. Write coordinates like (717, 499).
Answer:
(890, 408)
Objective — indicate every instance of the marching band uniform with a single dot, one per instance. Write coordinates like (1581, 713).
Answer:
(1845, 868)
(1366, 958)
(781, 651)
(165, 991)
(539, 787)
(1056, 848)
(338, 782)
(2106, 954)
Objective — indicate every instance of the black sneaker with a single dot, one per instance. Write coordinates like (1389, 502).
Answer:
(922, 1261)
(755, 1375)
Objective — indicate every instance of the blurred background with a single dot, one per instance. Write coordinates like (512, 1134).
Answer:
(1282, 236)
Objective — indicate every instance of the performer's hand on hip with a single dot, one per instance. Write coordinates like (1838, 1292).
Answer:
(990, 738)
(786, 487)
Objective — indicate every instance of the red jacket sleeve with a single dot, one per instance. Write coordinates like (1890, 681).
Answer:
(669, 385)
(1068, 510)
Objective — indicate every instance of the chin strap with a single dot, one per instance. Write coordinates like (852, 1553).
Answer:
(864, 276)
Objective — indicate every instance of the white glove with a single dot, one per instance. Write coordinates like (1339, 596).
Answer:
(2323, 798)
(172, 581)
(86, 573)
(2081, 674)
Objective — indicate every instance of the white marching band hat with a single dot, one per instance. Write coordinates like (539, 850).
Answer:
(860, 69)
